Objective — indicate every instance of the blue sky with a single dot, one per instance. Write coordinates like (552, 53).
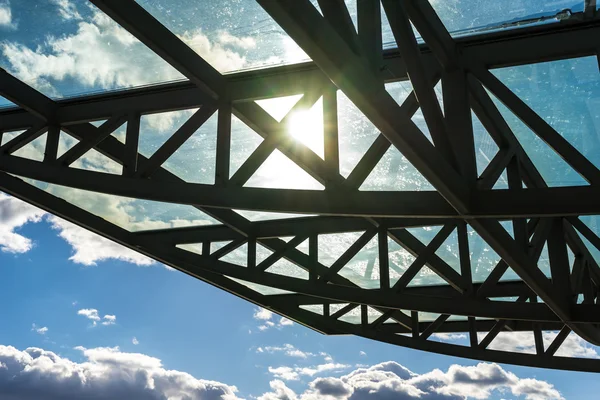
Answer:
(77, 308)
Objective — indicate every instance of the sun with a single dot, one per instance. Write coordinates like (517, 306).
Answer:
(307, 127)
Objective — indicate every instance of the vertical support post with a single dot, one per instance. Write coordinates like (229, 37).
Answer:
(457, 112)
(206, 248)
(537, 332)
(251, 252)
(384, 261)
(414, 317)
(223, 144)
(473, 332)
(51, 150)
(465, 256)
(313, 255)
(559, 262)
(513, 172)
(364, 315)
(369, 31)
(589, 8)
(132, 139)
(330, 129)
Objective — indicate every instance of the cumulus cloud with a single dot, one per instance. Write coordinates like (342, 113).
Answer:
(15, 213)
(6, 15)
(391, 380)
(362, 353)
(67, 10)
(99, 53)
(107, 373)
(41, 330)
(524, 342)
(92, 315)
(287, 349)
(89, 248)
(135, 341)
(294, 373)
(266, 317)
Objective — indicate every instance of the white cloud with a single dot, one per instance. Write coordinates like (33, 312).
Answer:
(106, 373)
(135, 341)
(6, 15)
(99, 54)
(40, 330)
(109, 320)
(262, 314)
(89, 313)
(362, 353)
(266, 316)
(391, 380)
(89, 248)
(66, 9)
(15, 213)
(294, 373)
(287, 349)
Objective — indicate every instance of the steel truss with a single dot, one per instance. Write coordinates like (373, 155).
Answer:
(350, 61)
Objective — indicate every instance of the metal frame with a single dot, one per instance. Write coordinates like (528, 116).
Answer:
(349, 60)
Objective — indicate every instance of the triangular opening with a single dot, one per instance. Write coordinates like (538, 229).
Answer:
(373, 314)
(356, 133)
(9, 135)
(561, 93)
(554, 170)
(65, 143)
(93, 160)
(266, 216)
(483, 258)
(120, 133)
(303, 247)
(352, 316)
(399, 90)
(395, 172)
(5, 103)
(238, 256)
(33, 150)
(426, 277)
(419, 121)
(313, 308)
(287, 268)
(387, 36)
(191, 247)
(156, 129)
(98, 123)
(592, 222)
(399, 259)
(425, 234)
(508, 227)
(262, 253)
(332, 246)
(244, 141)
(262, 289)
(502, 182)
(356, 270)
(518, 342)
(306, 127)
(448, 251)
(279, 107)
(485, 147)
(214, 246)
(279, 172)
(194, 161)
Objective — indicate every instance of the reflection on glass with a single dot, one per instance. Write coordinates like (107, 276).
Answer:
(279, 172)
(566, 94)
(266, 290)
(243, 143)
(130, 214)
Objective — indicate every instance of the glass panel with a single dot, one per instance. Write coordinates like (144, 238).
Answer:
(425, 234)
(128, 213)
(483, 258)
(314, 308)
(566, 94)
(465, 17)
(238, 256)
(279, 172)
(303, 247)
(278, 107)
(426, 277)
(363, 268)
(485, 147)
(231, 35)
(400, 259)
(395, 172)
(243, 143)
(355, 134)
(287, 268)
(353, 317)
(266, 290)
(191, 247)
(448, 251)
(156, 129)
(93, 160)
(265, 215)
(33, 150)
(332, 246)
(70, 48)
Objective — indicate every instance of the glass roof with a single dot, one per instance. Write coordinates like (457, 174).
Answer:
(65, 49)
